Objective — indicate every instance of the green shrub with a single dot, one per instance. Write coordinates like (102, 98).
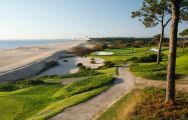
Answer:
(92, 62)
(133, 59)
(79, 65)
(108, 64)
(33, 81)
(81, 51)
(8, 86)
(148, 58)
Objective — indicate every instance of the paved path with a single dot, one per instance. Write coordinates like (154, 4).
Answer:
(91, 108)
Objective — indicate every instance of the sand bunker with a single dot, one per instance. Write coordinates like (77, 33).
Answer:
(104, 53)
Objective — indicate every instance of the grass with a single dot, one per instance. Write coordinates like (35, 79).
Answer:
(122, 108)
(59, 106)
(121, 55)
(112, 71)
(29, 100)
(181, 65)
(158, 72)
(45, 100)
(83, 85)
(150, 70)
(147, 104)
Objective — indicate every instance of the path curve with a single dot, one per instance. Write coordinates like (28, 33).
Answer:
(91, 108)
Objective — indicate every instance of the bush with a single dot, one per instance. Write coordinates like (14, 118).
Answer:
(33, 81)
(8, 86)
(148, 58)
(92, 62)
(107, 64)
(79, 65)
(98, 47)
(117, 45)
(65, 60)
(81, 51)
(131, 59)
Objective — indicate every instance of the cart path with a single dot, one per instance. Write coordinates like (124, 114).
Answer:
(90, 109)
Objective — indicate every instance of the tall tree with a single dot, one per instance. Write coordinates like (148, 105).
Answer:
(152, 13)
(183, 34)
(178, 6)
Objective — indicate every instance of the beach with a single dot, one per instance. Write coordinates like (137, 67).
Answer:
(12, 60)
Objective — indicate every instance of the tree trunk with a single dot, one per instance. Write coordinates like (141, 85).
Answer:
(160, 44)
(170, 90)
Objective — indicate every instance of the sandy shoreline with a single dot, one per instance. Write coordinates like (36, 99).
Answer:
(19, 57)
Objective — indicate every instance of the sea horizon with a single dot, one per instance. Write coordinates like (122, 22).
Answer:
(16, 43)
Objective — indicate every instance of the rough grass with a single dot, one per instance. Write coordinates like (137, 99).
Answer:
(122, 108)
(112, 71)
(152, 106)
(147, 104)
(83, 85)
(36, 101)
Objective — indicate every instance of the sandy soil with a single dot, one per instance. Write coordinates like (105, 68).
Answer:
(19, 57)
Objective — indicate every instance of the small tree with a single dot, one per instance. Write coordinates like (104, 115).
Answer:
(156, 38)
(183, 34)
(151, 14)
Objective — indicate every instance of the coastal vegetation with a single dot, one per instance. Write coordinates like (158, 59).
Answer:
(54, 96)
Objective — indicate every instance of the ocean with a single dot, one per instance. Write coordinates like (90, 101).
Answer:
(9, 44)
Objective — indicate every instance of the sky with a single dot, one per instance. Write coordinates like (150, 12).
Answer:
(67, 19)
